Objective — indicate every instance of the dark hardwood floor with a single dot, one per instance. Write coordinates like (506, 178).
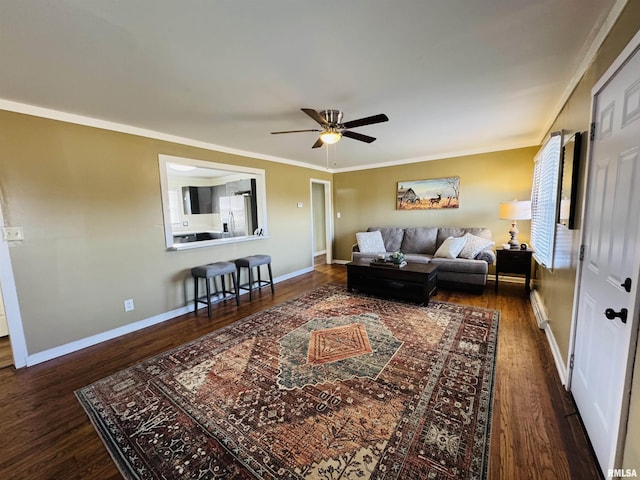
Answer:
(6, 354)
(536, 434)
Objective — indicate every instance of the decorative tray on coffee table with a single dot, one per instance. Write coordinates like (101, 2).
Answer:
(387, 263)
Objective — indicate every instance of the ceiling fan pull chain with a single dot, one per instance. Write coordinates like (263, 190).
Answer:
(327, 149)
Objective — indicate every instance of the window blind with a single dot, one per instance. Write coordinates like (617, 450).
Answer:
(544, 199)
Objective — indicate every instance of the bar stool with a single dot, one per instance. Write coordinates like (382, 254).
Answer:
(211, 271)
(249, 263)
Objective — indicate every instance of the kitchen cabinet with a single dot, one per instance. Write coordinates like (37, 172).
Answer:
(197, 200)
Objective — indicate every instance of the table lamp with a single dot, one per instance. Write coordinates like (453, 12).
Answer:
(514, 211)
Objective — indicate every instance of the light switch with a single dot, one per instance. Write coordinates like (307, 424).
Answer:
(13, 234)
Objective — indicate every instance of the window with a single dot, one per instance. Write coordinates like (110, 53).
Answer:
(206, 203)
(544, 196)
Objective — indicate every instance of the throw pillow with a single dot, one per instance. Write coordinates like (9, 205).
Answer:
(451, 247)
(474, 245)
(370, 242)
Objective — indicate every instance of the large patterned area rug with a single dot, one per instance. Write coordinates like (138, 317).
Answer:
(331, 385)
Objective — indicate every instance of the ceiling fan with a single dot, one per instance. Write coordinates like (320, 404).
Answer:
(333, 129)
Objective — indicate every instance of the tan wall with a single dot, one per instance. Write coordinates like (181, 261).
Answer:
(368, 197)
(89, 202)
(556, 288)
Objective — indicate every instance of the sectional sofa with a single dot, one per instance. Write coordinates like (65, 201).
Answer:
(464, 269)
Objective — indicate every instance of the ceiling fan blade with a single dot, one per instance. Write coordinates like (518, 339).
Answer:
(296, 131)
(318, 143)
(358, 136)
(366, 121)
(315, 115)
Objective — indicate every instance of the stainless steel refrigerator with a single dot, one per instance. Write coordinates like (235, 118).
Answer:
(236, 212)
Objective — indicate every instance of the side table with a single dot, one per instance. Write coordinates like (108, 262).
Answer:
(514, 262)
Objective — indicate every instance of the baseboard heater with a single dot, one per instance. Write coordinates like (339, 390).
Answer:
(538, 310)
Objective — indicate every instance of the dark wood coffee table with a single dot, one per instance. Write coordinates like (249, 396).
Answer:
(415, 282)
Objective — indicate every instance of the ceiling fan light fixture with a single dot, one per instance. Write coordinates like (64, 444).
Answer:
(330, 137)
(180, 167)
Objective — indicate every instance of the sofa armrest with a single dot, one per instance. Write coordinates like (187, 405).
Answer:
(488, 256)
(355, 248)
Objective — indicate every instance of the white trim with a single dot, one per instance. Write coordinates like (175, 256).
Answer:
(557, 356)
(297, 273)
(219, 241)
(439, 156)
(11, 304)
(540, 312)
(18, 107)
(328, 216)
(71, 347)
(505, 278)
(33, 110)
(261, 196)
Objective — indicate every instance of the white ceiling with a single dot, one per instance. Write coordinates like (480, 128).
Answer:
(454, 76)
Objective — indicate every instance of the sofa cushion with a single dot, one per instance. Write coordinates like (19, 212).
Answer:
(419, 240)
(451, 247)
(461, 280)
(418, 257)
(474, 245)
(392, 237)
(370, 242)
(460, 265)
(444, 232)
(363, 256)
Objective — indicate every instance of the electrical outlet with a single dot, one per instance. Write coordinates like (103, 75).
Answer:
(128, 305)
(13, 234)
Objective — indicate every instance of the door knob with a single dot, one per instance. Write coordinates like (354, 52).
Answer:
(610, 313)
(626, 285)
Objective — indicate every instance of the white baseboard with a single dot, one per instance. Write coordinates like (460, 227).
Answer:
(50, 354)
(46, 355)
(341, 262)
(542, 317)
(507, 279)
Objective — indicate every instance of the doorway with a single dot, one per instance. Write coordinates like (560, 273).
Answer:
(605, 326)
(321, 225)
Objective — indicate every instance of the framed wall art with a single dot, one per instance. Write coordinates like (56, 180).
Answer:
(432, 194)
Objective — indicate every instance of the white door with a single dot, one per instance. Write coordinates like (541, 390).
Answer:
(603, 356)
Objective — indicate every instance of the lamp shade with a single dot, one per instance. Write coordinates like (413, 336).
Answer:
(515, 210)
